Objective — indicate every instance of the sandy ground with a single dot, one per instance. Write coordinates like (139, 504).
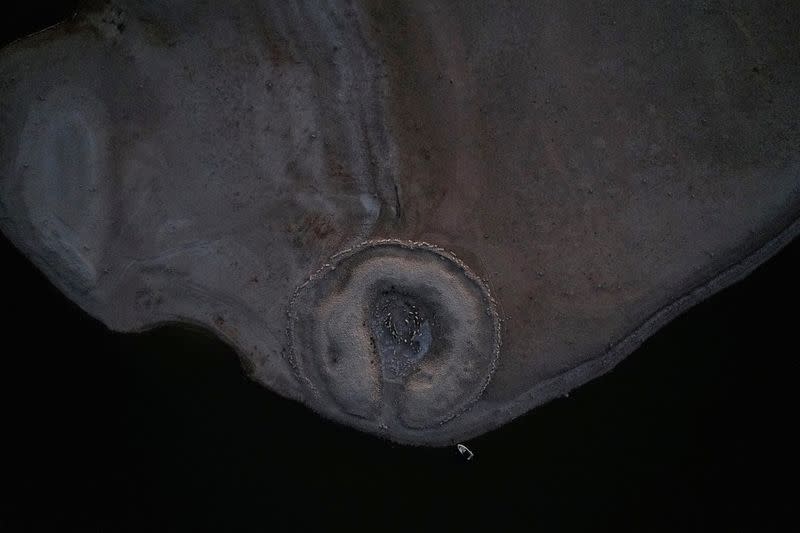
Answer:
(597, 167)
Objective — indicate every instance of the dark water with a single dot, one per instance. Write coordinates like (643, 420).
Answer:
(160, 431)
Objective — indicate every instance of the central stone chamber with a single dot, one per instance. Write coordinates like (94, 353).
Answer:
(401, 324)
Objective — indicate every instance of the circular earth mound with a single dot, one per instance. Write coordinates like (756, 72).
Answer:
(394, 337)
